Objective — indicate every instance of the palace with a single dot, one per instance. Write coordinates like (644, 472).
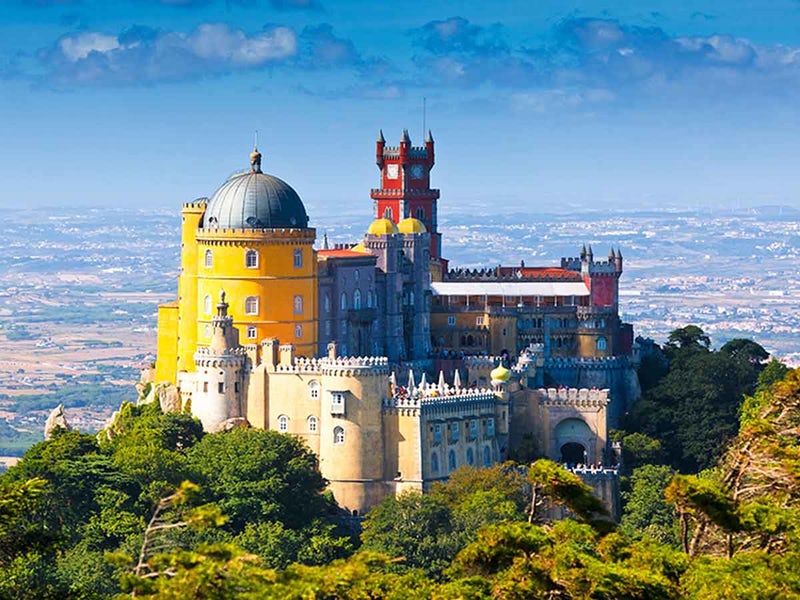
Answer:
(393, 367)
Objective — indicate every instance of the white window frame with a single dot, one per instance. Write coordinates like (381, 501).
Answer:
(252, 332)
(313, 389)
(208, 259)
(338, 435)
(251, 305)
(247, 255)
(283, 423)
(479, 321)
(357, 299)
(298, 332)
(297, 258)
(313, 424)
(297, 304)
(207, 306)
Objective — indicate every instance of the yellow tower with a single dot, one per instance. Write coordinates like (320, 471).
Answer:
(252, 240)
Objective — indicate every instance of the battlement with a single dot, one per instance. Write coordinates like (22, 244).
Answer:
(589, 471)
(436, 396)
(264, 235)
(573, 397)
(408, 193)
(206, 351)
(607, 362)
(195, 206)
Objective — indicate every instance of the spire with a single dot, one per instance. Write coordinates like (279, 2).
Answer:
(325, 241)
(583, 251)
(441, 381)
(429, 138)
(255, 157)
(611, 254)
(457, 380)
(589, 252)
(423, 383)
(406, 137)
(381, 139)
(619, 253)
(411, 384)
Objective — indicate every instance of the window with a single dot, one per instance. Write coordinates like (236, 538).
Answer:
(420, 213)
(490, 427)
(357, 299)
(283, 423)
(388, 214)
(251, 305)
(451, 320)
(451, 460)
(337, 403)
(327, 303)
(437, 433)
(435, 462)
(327, 328)
(298, 259)
(473, 429)
(298, 332)
(236, 386)
(252, 332)
(370, 299)
(343, 301)
(313, 390)
(479, 321)
(454, 431)
(601, 343)
(209, 259)
(207, 305)
(251, 259)
(487, 457)
(205, 386)
(221, 387)
(470, 457)
(312, 424)
(298, 305)
(207, 330)
(356, 275)
(338, 435)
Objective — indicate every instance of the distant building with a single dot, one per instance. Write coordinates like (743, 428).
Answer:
(395, 368)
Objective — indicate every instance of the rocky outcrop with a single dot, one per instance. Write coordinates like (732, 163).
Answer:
(233, 423)
(56, 420)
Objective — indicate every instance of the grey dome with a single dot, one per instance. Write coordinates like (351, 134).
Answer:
(255, 200)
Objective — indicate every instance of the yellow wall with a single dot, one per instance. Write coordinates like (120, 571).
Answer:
(167, 346)
(191, 215)
(275, 281)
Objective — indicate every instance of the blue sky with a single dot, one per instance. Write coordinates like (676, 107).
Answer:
(534, 105)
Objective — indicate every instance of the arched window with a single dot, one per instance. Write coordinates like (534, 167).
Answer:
(601, 343)
(298, 331)
(298, 305)
(209, 259)
(338, 435)
(313, 390)
(343, 301)
(251, 259)
(207, 305)
(283, 423)
(370, 300)
(388, 214)
(411, 298)
(470, 457)
(312, 424)
(251, 305)
(435, 462)
(298, 258)
(357, 299)
(451, 460)
(252, 332)
(487, 457)
(420, 213)
(356, 275)
(327, 303)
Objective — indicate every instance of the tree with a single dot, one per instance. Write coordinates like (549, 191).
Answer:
(690, 337)
(745, 349)
(646, 512)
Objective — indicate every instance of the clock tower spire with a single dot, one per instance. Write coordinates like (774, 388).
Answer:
(405, 186)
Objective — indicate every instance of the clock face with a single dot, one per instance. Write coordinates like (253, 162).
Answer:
(417, 172)
(392, 171)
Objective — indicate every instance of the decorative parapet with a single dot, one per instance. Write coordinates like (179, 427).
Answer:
(608, 362)
(256, 235)
(206, 352)
(430, 400)
(385, 192)
(342, 365)
(573, 397)
(593, 472)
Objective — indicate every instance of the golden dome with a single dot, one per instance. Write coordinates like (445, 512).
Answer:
(382, 227)
(360, 247)
(411, 225)
(500, 374)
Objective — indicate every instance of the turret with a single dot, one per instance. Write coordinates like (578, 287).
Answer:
(429, 149)
(618, 261)
(405, 146)
(380, 144)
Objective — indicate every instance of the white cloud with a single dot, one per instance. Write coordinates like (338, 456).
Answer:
(79, 46)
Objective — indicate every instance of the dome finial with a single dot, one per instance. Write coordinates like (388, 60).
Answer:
(255, 157)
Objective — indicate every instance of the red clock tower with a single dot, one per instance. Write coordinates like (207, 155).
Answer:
(405, 186)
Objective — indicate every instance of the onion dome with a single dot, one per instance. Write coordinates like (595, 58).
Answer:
(500, 374)
(382, 226)
(255, 200)
(411, 225)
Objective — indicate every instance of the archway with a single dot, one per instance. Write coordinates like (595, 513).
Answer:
(573, 453)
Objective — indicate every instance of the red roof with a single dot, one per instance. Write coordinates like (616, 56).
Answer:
(342, 254)
(550, 273)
